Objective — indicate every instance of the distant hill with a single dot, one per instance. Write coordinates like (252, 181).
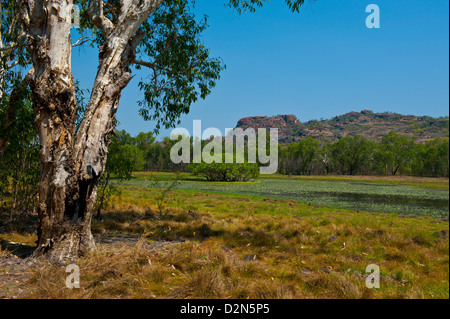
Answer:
(367, 123)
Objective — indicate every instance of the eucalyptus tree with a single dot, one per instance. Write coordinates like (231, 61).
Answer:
(14, 59)
(162, 36)
(13, 41)
(19, 163)
(397, 150)
(353, 154)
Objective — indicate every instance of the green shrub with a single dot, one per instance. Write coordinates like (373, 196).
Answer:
(226, 172)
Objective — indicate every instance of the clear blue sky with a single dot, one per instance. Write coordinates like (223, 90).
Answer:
(316, 64)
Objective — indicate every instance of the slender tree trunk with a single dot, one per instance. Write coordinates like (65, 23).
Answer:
(64, 231)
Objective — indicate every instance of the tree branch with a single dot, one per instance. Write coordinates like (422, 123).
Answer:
(152, 66)
(83, 40)
(95, 12)
(13, 45)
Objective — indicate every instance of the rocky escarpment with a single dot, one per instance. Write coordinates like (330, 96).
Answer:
(284, 123)
(367, 123)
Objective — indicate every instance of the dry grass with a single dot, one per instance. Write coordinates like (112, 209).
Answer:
(226, 246)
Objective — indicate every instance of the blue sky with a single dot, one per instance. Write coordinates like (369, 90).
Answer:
(317, 64)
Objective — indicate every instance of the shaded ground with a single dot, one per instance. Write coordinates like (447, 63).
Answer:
(15, 266)
(14, 271)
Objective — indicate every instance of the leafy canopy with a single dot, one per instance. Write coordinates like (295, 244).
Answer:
(252, 5)
(180, 68)
(182, 71)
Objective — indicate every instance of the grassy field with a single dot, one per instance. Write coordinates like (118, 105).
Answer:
(217, 245)
(415, 197)
(421, 182)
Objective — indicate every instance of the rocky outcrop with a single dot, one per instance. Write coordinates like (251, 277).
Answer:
(282, 122)
(367, 123)
(278, 121)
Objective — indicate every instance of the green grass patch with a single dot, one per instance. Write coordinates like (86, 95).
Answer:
(362, 195)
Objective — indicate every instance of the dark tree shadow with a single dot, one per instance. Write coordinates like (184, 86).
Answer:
(20, 250)
(23, 224)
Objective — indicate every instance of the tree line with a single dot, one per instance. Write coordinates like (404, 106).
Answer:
(394, 154)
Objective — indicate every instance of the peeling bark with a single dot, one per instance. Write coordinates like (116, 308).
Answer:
(63, 235)
(71, 169)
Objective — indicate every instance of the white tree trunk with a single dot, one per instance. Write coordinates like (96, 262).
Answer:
(62, 236)
(70, 169)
